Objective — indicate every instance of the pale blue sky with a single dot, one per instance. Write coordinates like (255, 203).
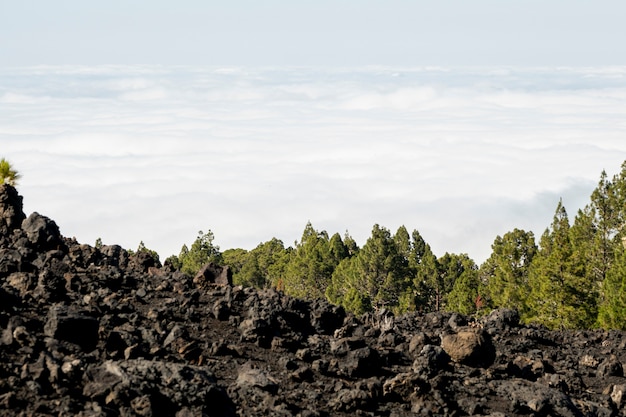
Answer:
(321, 32)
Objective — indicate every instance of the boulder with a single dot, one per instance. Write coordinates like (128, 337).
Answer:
(163, 387)
(74, 327)
(252, 377)
(11, 206)
(43, 233)
(212, 274)
(430, 361)
(611, 366)
(470, 348)
(501, 319)
(526, 397)
(114, 255)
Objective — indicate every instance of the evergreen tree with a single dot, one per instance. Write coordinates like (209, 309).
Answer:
(235, 259)
(310, 266)
(264, 266)
(345, 288)
(612, 312)
(152, 253)
(372, 279)
(422, 264)
(403, 243)
(406, 248)
(350, 244)
(597, 236)
(420, 249)
(605, 223)
(449, 268)
(464, 294)
(557, 298)
(505, 272)
(427, 282)
(337, 249)
(588, 264)
(202, 252)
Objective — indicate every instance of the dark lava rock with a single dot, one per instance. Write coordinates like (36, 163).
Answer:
(73, 327)
(42, 233)
(213, 274)
(470, 348)
(88, 331)
(11, 214)
(147, 387)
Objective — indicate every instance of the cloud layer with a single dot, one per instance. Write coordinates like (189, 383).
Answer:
(130, 153)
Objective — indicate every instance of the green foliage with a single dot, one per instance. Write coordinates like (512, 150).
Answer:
(602, 219)
(606, 258)
(558, 297)
(235, 259)
(612, 312)
(311, 264)
(423, 267)
(98, 244)
(377, 276)
(356, 301)
(202, 252)
(262, 267)
(350, 244)
(440, 275)
(505, 272)
(463, 273)
(574, 278)
(428, 282)
(174, 261)
(143, 249)
(8, 175)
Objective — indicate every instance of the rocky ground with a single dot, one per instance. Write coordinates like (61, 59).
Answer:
(96, 332)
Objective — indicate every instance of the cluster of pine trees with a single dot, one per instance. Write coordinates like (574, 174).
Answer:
(574, 277)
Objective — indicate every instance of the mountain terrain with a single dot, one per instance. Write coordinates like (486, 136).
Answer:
(99, 331)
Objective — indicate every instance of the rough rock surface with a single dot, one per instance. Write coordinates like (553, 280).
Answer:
(96, 332)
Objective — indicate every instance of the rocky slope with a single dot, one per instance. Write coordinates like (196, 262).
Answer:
(96, 332)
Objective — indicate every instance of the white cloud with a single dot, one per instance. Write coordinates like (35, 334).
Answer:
(156, 153)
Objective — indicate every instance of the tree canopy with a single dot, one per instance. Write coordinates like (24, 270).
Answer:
(574, 277)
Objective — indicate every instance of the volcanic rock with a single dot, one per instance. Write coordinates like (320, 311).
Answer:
(88, 331)
(469, 348)
(11, 214)
(213, 274)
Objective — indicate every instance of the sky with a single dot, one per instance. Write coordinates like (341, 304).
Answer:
(313, 33)
(149, 121)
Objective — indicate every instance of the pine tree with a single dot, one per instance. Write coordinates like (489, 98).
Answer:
(374, 278)
(464, 293)
(337, 249)
(505, 272)
(597, 236)
(403, 243)
(558, 296)
(428, 283)
(202, 252)
(141, 248)
(263, 266)
(346, 288)
(612, 312)
(311, 265)
(604, 213)
(236, 259)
